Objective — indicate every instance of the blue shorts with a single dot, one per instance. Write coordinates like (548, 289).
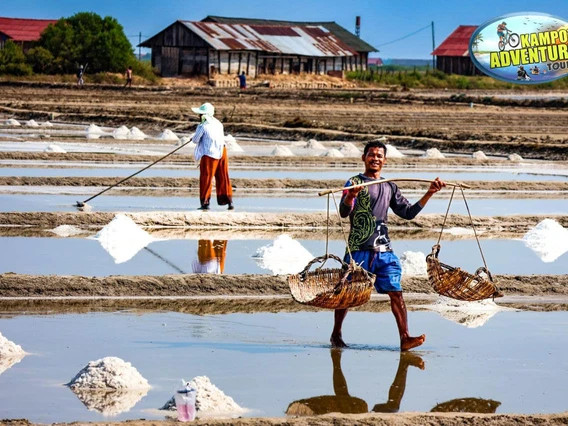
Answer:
(385, 266)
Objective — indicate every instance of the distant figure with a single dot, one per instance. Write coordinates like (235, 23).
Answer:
(535, 70)
(80, 73)
(242, 81)
(128, 75)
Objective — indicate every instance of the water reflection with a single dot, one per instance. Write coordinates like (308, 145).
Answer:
(343, 402)
(109, 402)
(211, 256)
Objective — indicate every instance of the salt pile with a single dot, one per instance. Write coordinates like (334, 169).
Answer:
(109, 385)
(121, 133)
(136, 134)
(54, 148)
(47, 124)
(94, 132)
(108, 373)
(393, 152)
(168, 135)
(32, 123)
(349, 150)
(284, 256)
(12, 122)
(479, 155)
(468, 314)
(413, 263)
(122, 238)
(313, 144)
(281, 151)
(66, 230)
(10, 353)
(433, 153)
(515, 157)
(232, 145)
(335, 153)
(548, 239)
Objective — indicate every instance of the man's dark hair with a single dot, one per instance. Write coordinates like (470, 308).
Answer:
(375, 144)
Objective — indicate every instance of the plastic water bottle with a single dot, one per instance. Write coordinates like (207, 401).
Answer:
(185, 404)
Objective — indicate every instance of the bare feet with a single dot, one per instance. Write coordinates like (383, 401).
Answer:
(411, 342)
(337, 342)
(412, 359)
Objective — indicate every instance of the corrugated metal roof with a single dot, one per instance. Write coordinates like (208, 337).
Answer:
(283, 39)
(19, 29)
(457, 43)
(350, 39)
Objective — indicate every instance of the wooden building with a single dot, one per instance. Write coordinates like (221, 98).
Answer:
(22, 31)
(233, 45)
(452, 56)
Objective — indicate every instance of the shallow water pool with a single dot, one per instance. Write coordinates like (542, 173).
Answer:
(276, 364)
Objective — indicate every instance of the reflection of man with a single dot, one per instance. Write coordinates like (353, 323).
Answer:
(210, 257)
(344, 403)
(369, 243)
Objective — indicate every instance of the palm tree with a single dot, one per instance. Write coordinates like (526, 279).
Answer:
(478, 39)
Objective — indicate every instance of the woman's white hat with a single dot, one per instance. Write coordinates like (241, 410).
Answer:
(205, 109)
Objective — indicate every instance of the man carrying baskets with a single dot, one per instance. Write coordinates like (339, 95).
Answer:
(369, 242)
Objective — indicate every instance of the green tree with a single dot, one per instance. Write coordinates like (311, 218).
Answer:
(40, 59)
(13, 60)
(87, 38)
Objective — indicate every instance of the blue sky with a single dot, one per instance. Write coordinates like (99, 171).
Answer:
(381, 21)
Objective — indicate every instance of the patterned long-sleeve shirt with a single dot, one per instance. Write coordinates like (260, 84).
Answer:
(369, 212)
(209, 139)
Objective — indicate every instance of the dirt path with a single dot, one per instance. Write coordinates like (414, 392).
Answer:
(235, 220)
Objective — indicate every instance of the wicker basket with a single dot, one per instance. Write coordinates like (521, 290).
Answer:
(340, 288)
(457, 284)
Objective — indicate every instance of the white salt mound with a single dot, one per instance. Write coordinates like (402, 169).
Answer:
(47, 124)
(284, 256)
(281, 151)
(433, 153)
(393, 152)
(94, 132)
(32, 123)
(413, 263)
(121, 133)
(548, 239)
(335, 153)
(122, 238)
(468, 314)
(479, 155)
(66, 230)
(186, 139)
(232, 145)
(110, 402)
(54, 148)
(515, 157)
(109, 373)
(12, 122)
(168, 135)
(313, 144)
(349, 150)
(9, 349)
(136, 134)
(210, 401)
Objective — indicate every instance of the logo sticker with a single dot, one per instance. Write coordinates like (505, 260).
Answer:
(524, 48)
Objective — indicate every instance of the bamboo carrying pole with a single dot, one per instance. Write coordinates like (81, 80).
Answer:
(375, 182)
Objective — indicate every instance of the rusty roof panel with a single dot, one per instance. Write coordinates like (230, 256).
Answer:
(24, 29)
(274, 30)
(293, 40)
(457, 43)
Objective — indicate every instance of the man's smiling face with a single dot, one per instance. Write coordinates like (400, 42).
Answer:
(374, 160)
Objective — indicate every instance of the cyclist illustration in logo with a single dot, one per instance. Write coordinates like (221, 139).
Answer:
(506, 36)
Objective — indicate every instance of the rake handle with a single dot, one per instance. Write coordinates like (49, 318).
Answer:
(375, 182)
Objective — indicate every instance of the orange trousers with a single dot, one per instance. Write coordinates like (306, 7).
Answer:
(210, 168)
(208, 250)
